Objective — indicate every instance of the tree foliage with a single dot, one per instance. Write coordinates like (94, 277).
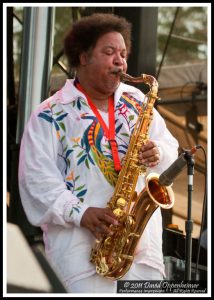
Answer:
(188, 42)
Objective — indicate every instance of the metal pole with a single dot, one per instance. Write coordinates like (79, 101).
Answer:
(36, 62)
(189, 222)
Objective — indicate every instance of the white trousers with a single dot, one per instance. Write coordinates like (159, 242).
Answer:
(99, 284)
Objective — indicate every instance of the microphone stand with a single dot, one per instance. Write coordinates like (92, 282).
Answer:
(189, 223)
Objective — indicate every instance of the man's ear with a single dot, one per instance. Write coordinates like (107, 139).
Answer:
(83, 58)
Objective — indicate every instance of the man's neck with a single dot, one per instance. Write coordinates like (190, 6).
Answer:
(101, 104)
(99, 99)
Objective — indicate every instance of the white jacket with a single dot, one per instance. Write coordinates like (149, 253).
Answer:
(59, 177)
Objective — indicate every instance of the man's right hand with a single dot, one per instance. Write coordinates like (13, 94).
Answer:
(98, 220)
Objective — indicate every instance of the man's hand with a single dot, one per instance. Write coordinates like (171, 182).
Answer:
(97, 220)
(149, 154)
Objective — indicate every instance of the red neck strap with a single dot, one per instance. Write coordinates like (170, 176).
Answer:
(109, 132)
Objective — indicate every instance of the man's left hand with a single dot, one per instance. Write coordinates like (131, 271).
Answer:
(149, 154)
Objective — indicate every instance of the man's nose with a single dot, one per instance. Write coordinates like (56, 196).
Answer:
(118, 60)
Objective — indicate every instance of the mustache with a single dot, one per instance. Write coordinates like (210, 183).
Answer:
(117, 71)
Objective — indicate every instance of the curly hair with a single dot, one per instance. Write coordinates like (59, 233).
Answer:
(85, 33)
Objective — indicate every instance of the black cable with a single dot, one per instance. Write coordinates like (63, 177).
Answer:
(203, 213)
(167, 42)
(199, 85)
(184, 86)
(17, 18)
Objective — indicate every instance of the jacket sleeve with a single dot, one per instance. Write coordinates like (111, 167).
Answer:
(44, 195)
(168, 145)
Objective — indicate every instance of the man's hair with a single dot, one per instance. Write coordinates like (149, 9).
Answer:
(85, 33)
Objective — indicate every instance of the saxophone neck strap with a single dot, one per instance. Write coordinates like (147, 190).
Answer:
(109, 132)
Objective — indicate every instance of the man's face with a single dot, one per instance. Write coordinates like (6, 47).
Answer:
(104, 61)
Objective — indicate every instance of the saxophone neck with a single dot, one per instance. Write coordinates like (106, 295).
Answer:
(143, 78)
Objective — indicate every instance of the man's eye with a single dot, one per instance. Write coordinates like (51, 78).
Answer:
(124, 55)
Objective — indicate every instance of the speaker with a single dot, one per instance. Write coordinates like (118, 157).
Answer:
(174, 245)
(175, 269)
(174, 256)
(28, 271)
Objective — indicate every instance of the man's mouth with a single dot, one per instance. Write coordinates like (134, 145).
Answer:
(116, 71)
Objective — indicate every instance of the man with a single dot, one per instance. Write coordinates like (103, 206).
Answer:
(69, 165)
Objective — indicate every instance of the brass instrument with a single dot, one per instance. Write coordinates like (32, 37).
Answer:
(114, 254)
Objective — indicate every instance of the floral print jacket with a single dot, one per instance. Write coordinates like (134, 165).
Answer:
(66, 166)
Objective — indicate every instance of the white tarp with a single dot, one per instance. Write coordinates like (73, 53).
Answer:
(179, 75)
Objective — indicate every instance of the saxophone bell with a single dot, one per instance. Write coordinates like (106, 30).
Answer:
(160, 194)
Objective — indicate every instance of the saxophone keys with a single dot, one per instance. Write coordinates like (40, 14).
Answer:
(129, 257)
(130, 220)
(108, 242)
(150, 105)
(121, 202)
(118, 212)
(133, 234)
(103, 268)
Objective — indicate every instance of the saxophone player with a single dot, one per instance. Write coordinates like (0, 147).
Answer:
(71, 155)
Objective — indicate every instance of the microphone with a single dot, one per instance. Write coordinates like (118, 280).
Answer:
(167, 177)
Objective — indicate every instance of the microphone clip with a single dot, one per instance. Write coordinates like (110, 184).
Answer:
(188, 156)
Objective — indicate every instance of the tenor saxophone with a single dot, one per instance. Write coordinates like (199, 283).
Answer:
(113, 255)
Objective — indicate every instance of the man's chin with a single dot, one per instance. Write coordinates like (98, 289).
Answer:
(113, 85)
